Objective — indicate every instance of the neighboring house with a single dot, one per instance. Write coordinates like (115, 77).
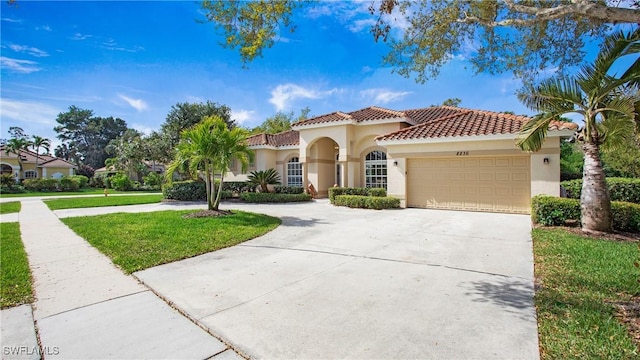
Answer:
(439, 157)
(24, 167)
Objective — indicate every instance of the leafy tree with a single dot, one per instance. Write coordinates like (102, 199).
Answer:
(86, 136)
(185, 115)
(158, 148)
(37, 143)
(86, 170)
(263, 178)
(209, 147)
(128, 153)
(623, 161)
(280, 122)
(523, 36)
(607, 103)
(571, 161)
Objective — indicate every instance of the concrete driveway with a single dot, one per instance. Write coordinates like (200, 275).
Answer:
(334, 282)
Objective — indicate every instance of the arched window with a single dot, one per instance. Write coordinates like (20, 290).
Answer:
(30, 174)
(6, 169)
(294, 172)
(375, 170)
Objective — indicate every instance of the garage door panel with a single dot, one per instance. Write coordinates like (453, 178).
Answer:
(500, 184)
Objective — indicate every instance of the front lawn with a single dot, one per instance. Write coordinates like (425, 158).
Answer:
(85, 191)
(139, 241)
(15, 275)
(10, 207)
(87, 202)
(578, 280)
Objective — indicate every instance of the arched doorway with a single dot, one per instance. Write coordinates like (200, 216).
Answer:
(5, 169)
(322, 165)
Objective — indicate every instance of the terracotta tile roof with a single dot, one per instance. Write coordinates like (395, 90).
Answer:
(55, 162)
(333, 117)
(375, 113)
(444, 121)
(27, 156)
(290, 137)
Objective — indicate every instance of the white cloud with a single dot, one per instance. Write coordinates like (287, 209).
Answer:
(359, 25)
(142, 128)
(79, 36)
(113, 45)
(366, 69)
(21, 66)
(12, 20)
(45, 28)
(137, 104)
(28, 49)
(242, 116)
(28, 111)
(383, 96)
(284, 94)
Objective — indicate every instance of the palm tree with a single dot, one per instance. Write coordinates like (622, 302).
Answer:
(209, 147)
(263, 178)
(15, 146)
(607, 103)
(37, 143)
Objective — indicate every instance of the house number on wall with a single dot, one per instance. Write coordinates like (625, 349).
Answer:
(462, 153)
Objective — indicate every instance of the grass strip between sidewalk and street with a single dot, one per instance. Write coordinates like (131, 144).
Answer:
(15, 275)
(10, 207)
(578, 281)
(99, 201)
(139, 241)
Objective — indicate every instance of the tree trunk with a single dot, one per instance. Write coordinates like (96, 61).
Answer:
(207, 185)
(219, 195)
(595, 203)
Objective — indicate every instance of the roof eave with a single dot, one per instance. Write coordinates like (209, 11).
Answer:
(324, 124)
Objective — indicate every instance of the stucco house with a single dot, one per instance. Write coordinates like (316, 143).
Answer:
(438, 157)
(24, 166)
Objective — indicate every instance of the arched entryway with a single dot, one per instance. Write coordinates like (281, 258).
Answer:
(6, 169)
(322, 165)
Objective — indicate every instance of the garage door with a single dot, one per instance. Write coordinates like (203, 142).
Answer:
(493, 184)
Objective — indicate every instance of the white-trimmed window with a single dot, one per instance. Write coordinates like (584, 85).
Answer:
(375, 169)
(30, 174)
(294, 172)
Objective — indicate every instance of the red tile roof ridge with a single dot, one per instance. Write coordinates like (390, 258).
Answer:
(445, 118)
(394, 112)
(315, 118)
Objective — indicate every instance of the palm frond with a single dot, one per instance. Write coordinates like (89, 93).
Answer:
(533, 133)
(616, 130)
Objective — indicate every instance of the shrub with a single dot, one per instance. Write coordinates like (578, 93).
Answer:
(83, 181)
(336, 191)
(7, 180)
(554, 211)
(185, 191)
(381, 192)
(273, 197)
(120, 182)
(86, 170)
(13, 189)
(97, 181)
(288, 189)
(367, 202)
(237, 186)
(263, 178)
(620, 189)
(68, 183)
(152, 179)
(42, 184)
(626, 216)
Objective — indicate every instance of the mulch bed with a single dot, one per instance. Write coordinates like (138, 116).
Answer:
(628, 313)
(207, 213)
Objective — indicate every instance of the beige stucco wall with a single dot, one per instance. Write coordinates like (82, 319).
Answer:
(545, 178)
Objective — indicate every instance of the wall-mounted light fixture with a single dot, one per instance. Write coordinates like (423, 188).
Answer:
(546, 161)
(395, 163)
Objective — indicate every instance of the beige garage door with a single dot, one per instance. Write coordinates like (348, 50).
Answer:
(494, 184)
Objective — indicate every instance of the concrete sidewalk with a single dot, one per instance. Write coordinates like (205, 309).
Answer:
(87, 308)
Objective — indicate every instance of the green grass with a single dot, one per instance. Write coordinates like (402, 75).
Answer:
(140, 241)
(15, 276)
(10, 207)
(579, 277)
(86, 202)
(87, 191)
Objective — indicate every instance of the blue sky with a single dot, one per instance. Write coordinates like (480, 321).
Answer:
(134, 60)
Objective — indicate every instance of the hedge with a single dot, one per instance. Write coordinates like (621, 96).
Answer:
(367, 202)
(620, 189)
(43, 184)
(337, 191)
(273, 197)
(185, 191)
(280, 189)
(554, 211)
(237, 186)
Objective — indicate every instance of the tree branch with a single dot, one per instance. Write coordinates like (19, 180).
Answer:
(586, 9)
